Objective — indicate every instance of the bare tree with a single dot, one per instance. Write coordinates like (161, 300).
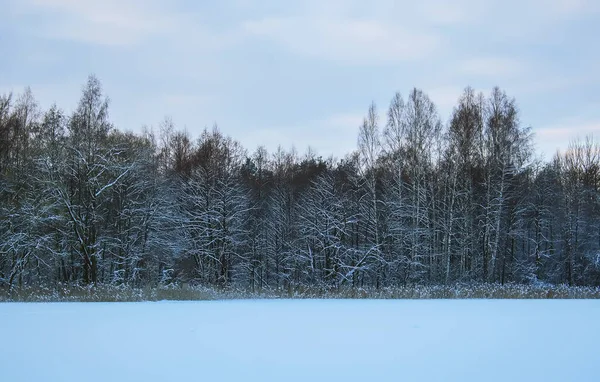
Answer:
(369, 145)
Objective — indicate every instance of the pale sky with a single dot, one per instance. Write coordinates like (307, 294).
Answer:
(304, 73)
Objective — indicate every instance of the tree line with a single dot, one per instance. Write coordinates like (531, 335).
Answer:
(418, 202)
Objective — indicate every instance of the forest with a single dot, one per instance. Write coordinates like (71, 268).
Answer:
(420, 202)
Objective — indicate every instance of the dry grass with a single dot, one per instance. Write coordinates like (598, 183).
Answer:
(110, 293)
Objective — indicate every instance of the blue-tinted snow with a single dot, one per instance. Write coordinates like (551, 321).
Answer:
(278, 340)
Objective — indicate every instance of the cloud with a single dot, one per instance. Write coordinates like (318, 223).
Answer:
(198, 61)
(496, 67)
(566, 9)
(424, 13)
(333, 135)
(558, 137)
(347, 40)
(11, 89)
(457, 13)
(445, 98)
(64, 95)
(343, 120)
(187, 100)
(108, 22)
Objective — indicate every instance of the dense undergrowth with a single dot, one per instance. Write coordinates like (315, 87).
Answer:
(111, 293)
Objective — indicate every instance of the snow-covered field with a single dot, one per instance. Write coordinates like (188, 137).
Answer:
(302, 340)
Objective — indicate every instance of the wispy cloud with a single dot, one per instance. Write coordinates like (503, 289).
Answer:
(445, 98)
(278, 68)
(108, 22)
(333, 135)
(551, 138)
(496, 67)
(352, 41)
(450, 13)
(565, 9)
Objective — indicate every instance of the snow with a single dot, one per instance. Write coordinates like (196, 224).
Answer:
(302, 340)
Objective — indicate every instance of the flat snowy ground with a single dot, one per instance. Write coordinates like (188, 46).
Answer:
(302, 340)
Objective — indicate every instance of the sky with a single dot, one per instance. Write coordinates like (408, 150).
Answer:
(303, 73)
